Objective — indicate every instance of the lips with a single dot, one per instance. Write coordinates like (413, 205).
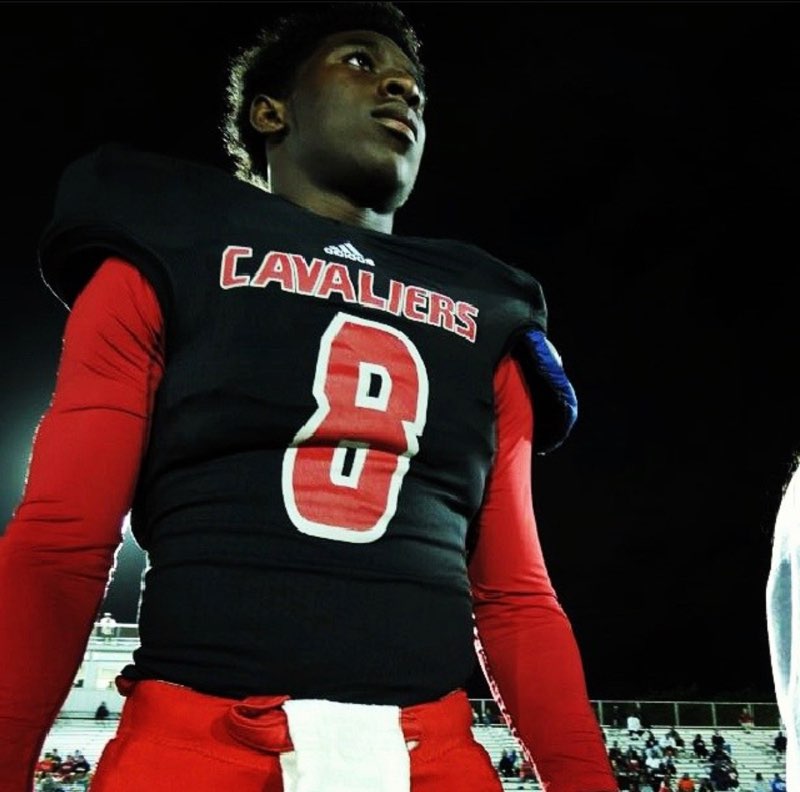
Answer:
(398, 118)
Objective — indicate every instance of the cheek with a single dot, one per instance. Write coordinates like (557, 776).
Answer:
(326, 122)
(421, 141)
(310, 113)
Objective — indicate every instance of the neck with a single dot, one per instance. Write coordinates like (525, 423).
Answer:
(338, 207)
(365, 202)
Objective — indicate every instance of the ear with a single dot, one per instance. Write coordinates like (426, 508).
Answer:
(268, 115)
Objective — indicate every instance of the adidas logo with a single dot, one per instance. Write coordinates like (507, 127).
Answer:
(348, 251)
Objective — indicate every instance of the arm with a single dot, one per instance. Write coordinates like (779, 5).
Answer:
(58, 550)
(524, 640)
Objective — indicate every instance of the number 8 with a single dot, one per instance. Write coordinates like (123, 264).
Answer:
(343, 471)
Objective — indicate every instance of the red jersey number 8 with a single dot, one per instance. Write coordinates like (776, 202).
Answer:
(343, 472)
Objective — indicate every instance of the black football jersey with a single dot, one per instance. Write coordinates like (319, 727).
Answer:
(321, 437)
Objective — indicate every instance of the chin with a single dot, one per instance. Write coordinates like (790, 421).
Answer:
(387, 182)
(382, 195)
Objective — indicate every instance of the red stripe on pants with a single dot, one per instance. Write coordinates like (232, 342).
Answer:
(172, 738)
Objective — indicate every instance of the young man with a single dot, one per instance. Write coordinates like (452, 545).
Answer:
(324, 434)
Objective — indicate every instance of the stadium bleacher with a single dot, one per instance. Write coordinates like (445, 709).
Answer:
(751, 750)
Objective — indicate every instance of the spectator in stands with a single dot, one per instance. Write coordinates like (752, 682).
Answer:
(526, 772)
(705, 785)
(491, 714)
(674, 735)
(760, 785)
(81, 763)
(719, 754)
(107, 626)
(665, 785)
(615, 752)
(635, 757)
(668, 745)
(49, 784)
(634, 775)
(779, 743)
(656, 769)
(778, 784)
(650, 739)
(720, 776)
(82, 780)
(44, 765)
(101, 713)
(67, 768)
(699, 746)
(56, 758)
(746, 719)
(720, 742)
(686, 783)
(634, 726)
(516, 759)
(506, 766)
(652, 759)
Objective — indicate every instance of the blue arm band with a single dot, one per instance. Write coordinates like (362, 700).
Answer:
(554, 399)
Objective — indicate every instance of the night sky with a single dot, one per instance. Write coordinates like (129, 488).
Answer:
(640, 159)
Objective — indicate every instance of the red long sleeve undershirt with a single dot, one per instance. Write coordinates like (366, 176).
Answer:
(58, 550)
(524, 640)
(57, 555)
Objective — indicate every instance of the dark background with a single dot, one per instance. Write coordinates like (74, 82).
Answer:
(639, 159)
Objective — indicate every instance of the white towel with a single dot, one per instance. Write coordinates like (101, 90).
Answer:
(342, 747)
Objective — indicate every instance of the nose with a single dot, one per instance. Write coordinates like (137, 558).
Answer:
(403, 85)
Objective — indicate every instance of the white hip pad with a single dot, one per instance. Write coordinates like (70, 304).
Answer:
(342, 747)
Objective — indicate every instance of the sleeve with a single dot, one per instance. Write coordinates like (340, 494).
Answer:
(524, 640)
(783, 607)
(58, 550)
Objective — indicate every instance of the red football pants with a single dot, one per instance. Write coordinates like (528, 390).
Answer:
(170, 737)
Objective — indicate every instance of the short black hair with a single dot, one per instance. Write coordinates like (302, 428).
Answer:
(269, 65)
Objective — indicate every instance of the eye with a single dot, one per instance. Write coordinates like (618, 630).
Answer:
(361, 59)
